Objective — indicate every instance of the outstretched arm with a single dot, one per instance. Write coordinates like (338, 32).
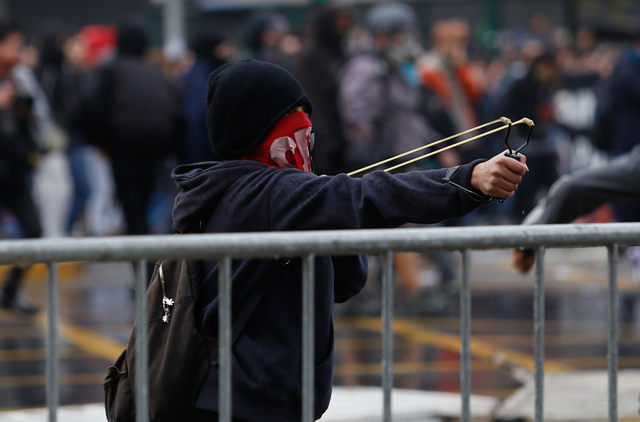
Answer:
(303, 201)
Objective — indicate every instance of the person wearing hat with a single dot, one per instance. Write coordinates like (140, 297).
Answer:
(258, 119)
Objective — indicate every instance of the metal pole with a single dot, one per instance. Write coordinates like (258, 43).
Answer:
(465, 337)
(53, 395)
(329, 242)
(387, 334)
(224, 328)
(5, 11)
(174, 28)
(142, 356)
(308, 311)
(612, 355)
(538, 328)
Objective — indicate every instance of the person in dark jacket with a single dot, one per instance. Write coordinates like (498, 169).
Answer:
(135, 114)
(62, 74)
(624, 91)
(257, 118)
(320, 62)
(24, 122)
(531, 96)
(212, 50)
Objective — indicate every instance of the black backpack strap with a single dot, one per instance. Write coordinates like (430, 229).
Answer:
(250, 305)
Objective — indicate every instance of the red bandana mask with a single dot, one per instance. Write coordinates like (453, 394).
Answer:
(286, 145)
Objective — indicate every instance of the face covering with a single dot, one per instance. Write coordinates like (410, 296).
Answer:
(405, 51)
(287, 145)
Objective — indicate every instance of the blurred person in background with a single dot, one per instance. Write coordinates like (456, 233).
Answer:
(134, 113)
(532, 97)
(379, 99)
(268, 38)
(322, 57)
(538, 30)
(619, 114)
(211, 50)
(447, 71)
(61, 72)
(584, 76)
(382, 107)
(24, 125)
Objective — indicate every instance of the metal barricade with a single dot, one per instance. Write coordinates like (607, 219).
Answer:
(225, 247)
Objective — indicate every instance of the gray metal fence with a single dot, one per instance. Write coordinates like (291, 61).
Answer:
(225, 247)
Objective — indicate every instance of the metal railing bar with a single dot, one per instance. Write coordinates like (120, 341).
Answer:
(224, 330)
(538, 328)
(308, 337)
(337, 242)
(612, 351)
(387, 335)
(465, 337)
(52, 364)
(142, 354)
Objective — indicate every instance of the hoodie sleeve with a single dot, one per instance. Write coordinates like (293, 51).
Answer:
(304, 201)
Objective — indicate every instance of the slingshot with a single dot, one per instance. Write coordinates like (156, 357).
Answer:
(507, 124)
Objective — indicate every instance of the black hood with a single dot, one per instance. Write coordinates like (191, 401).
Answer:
(202, 185)
(245, 100)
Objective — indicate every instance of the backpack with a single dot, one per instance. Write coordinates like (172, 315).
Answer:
(131, 106)
(179, 356)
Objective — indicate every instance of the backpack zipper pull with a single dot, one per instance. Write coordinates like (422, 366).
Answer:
(166, 302)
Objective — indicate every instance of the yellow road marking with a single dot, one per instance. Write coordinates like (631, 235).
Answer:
(19, 333)
(495, 324)
(38, 354)
(601, 362)
(501, 393)
(39, 272)
(579, 339)
(38, 380)
(411, 368)
(451, 342)
(87, 340)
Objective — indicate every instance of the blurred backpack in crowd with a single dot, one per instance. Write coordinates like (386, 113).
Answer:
(130, 105)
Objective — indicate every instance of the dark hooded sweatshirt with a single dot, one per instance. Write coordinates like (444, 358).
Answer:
(247, 196)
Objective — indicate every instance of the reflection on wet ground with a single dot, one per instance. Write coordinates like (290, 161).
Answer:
(97, 311)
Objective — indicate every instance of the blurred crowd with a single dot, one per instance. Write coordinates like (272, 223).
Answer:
(93, 120)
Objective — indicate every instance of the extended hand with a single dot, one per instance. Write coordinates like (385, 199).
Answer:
(499, 177)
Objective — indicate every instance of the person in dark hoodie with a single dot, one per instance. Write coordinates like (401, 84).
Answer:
(317, 70)
(212, 50)
(258, 122)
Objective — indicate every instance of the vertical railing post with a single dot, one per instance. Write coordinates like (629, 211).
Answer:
(465, 338)
(612, 352)
(52, 365)
(387, 335)
(308, 313)
(142, 355)
(224, 330)
(538, 349)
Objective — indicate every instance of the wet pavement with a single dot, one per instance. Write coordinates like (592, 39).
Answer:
(97, 312)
